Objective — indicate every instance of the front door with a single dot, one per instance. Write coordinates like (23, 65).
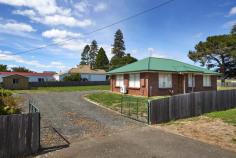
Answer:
(180, 84)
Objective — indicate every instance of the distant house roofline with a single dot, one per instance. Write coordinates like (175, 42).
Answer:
(27, 74)
(86, 69)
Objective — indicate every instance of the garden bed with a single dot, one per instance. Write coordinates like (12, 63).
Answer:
(8, 103)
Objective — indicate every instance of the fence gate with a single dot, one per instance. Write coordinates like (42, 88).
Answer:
(20, 134)
(135, 108)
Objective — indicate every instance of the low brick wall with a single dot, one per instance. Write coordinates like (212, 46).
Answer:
(67, 83)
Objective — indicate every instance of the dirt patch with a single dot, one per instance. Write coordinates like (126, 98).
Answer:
(51, 139)
(90, 127)
(205, 129)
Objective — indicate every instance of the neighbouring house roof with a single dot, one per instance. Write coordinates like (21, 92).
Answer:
(85, 69)
(161, 64)
(15, 75)
(26, 74)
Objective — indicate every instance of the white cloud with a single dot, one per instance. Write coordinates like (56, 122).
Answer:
(198, 35)
(43, 7)
(229, 24)
(232, 11)
(82, 6)
(100, 7)
(65, 20)
(59, 36)
(27, 12)
(8, 56)
(56, 33)
(47, 12)
(154, 53)
(16, 27)
(75, 45)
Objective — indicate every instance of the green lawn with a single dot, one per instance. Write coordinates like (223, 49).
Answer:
(64, 89)
(114, 101)
(228, 116)
(129, 103)
(225, 88)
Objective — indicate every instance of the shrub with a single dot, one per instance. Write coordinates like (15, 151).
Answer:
(5, 93)
(73, 77)
(8, 103)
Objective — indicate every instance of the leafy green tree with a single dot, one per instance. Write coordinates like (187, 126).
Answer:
(119, 44)
(102, 61)
(20, 69)
(3, 67)
(85, 56)
(218, 52)
(93, 53)
(233, 31)
(128, 59)
(121, 61)
(72, 77)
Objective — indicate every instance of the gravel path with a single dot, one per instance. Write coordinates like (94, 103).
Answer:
(76, 118)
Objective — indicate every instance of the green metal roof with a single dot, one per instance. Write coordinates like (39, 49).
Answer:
(161, 64)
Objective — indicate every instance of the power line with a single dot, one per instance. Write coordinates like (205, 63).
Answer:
(99, 29)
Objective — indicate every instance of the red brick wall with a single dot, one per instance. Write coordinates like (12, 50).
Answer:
(151, 80)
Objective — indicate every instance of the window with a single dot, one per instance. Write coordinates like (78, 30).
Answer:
(206, 81)
(119, 80)
(134, 80)
(165, 80)
(40, 79)
(15, 81)
(191, 80)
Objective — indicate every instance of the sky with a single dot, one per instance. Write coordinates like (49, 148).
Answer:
(167, 32)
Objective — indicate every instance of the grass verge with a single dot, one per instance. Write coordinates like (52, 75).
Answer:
(220, 88)
(228, 116)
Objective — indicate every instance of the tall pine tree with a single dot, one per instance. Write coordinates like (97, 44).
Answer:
(85, 56)
(119, 45)
(233, 31)
(102, 61)
(93, 53)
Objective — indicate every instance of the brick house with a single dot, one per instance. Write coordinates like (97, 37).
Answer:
(158, 76)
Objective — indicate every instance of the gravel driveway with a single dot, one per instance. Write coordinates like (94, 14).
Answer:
(76, 118)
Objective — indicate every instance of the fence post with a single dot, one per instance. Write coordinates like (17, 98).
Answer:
(149, 111)
(137, 107)
(121, 106)
(39, 131)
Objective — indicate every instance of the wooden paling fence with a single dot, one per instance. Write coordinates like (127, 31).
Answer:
(19, 134)
(189, 105)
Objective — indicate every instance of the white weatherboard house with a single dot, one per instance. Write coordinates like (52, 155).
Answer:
(32, 76)
(90, 74)
(60, 76)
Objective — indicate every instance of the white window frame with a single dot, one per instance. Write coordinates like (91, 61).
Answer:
(119, 80)
(134, 80)
(206, 80)
(191, 80)
(165, 80)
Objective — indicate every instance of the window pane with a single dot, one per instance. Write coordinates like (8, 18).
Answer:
(206, 80)
(119, 80)
(165, 80)
(134, 80)
(191, 80)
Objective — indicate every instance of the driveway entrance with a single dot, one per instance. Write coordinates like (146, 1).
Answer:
(75, 118)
